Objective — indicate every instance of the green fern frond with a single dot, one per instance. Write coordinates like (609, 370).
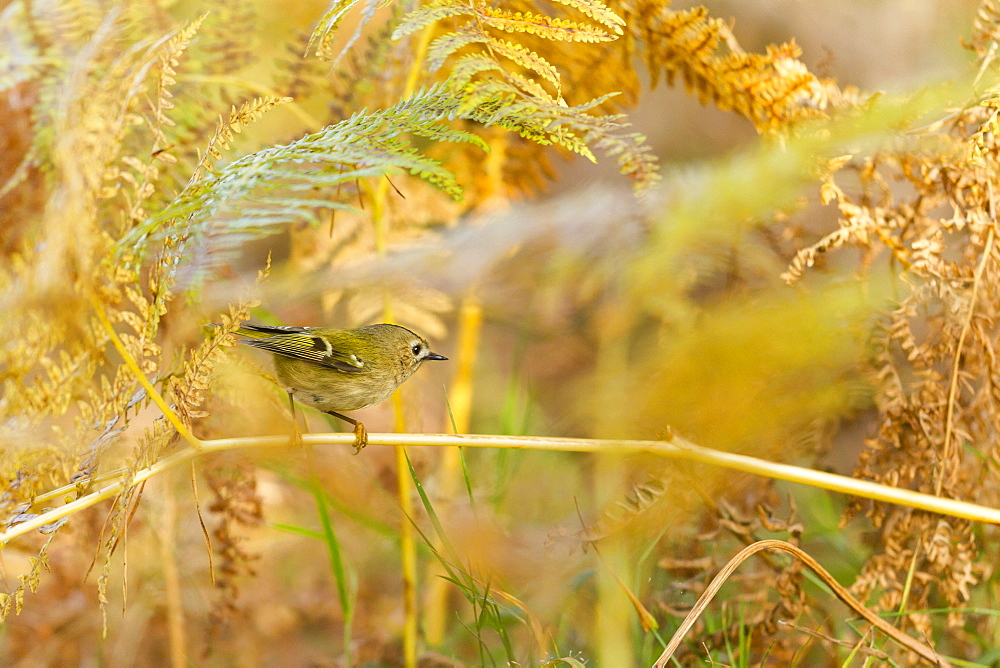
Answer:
(253, 195)
(442, 133)
(430, 13)
(469, 66)
(444, 46)
(319, 41)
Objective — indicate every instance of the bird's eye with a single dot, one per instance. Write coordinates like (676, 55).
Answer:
(416, 348)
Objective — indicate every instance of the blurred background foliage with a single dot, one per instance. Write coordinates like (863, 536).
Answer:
(789, 253)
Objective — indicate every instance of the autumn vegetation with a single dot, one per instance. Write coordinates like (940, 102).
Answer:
(662, 356)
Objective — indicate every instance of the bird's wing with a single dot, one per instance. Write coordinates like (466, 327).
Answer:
(302, 345)
(264, 331)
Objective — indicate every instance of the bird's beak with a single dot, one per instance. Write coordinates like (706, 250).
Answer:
(435, 356)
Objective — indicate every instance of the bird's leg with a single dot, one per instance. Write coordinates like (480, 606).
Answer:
(360, 433)
(296, 430)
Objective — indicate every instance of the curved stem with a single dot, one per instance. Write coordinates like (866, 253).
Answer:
(675, 448)
(921, 650)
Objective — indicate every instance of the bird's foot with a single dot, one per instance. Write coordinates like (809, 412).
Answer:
(360, 437)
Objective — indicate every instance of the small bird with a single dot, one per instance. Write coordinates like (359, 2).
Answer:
(337, 370)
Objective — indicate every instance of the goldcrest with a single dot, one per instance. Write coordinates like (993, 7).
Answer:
(337, 370)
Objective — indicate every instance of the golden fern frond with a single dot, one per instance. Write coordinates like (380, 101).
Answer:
(530, 86)
(771, 90)
(983, 142)
(526, 58)
(169, 60)
(469, 65)
(543, 26)
(248, 112)
(515, 98)
(597, 11)
(13, 602)
(141, 175)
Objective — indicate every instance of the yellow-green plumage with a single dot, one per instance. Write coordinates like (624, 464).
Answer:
(341, 369)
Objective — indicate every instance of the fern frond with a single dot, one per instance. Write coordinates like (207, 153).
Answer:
(367, 14)
(983, 142)
(772, 89)
(250, 196)
(248, 112)
(188, 390)
(319, 40)
(230, 37)
(526, 58)
(986, 28)
(169, 59)
(445, 45)
(597, 11)
(432, 12)
(469, 66)
(546, 27)
(530, 87)
(514, 99)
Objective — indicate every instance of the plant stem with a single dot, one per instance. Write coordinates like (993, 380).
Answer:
(675, 448)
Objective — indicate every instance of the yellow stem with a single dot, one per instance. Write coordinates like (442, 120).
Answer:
(408, 555)
(460, 400)
(141, 377)
(676, 448)
(172, 579)
(407, 540)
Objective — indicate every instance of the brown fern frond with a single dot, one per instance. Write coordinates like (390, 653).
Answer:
(772, 90)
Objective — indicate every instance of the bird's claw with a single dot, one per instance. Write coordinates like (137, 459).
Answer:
(360, 437)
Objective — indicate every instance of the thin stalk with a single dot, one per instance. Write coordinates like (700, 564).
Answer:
(675, 448)
(408, 550)
(171, 577)
(460, 399)
(407, 540)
